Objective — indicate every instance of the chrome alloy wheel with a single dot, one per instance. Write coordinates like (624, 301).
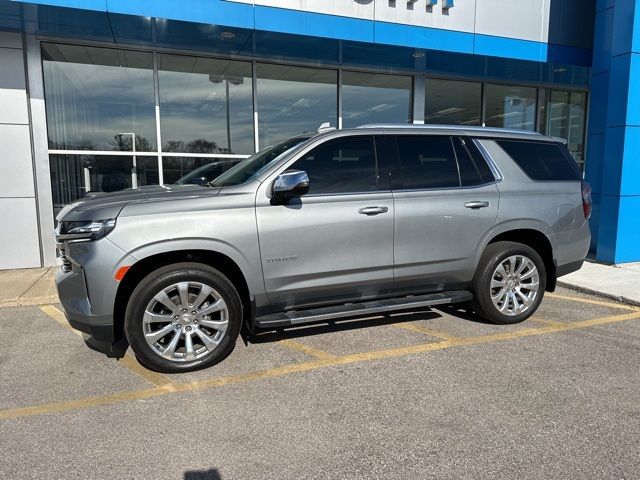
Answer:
(185, 321)
(514, 285)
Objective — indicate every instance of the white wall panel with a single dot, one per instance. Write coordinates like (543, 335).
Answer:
(13, 97)
(19, 245)
(347, 8)
(521, 19)
(16, 179)
(19, 236)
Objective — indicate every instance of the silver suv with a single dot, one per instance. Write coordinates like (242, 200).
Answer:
(320, 227)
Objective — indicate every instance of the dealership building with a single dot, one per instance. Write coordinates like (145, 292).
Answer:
(102, 95)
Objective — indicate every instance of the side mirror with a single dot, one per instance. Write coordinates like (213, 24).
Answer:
(289, 185)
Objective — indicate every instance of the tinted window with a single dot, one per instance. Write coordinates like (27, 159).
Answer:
(375, 98)
(206, 105)
(542, 160)
(427, 161)
(99, 98)
(452, 102)
(473, 167)
(294, 100)
(342, 165)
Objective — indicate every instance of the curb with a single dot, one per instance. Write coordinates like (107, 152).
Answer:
(591, 291)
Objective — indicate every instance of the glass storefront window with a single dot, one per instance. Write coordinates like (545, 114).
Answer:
(564, 117)
(375, 98)
(206, 105)
(510, 106)
(294, 100)
(452, 102)
(194, 171)
(73, 176)
(99, 98)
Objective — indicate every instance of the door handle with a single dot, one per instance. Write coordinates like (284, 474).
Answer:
(476, 205)
(373, 210)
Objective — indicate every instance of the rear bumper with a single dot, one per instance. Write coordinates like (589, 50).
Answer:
(568, 268)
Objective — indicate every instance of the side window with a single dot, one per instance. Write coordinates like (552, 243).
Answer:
(473, 167)
(343, 165)
(427, 161)
(542, 160)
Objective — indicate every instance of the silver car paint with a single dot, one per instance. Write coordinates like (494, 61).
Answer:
(322, 249)
(553, 208)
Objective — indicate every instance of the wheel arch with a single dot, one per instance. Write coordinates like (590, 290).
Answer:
(144, 266)
(537, 240)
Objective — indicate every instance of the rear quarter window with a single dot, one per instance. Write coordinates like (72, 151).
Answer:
(542, 160)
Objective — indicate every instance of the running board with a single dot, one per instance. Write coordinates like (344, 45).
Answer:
(297, 317)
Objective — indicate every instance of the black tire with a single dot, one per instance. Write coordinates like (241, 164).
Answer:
(163, 278)
(493, 255)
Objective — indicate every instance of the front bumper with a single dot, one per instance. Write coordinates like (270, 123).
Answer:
(72, 290)
(87, 287)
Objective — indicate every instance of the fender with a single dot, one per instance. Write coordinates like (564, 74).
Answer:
(253, 278)
(507, 226)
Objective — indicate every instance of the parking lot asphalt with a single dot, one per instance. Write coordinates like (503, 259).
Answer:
(430, 394)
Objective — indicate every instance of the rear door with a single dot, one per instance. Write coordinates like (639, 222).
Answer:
(446, 203)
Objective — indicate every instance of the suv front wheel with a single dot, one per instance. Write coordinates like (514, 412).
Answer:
(509, 283)
(183, 317)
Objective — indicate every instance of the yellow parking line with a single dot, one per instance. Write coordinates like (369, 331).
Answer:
(307, 366)
(301, 347)
(427, 331)
(157, 379)
(593, 302)
(127, 361)
(59, 317)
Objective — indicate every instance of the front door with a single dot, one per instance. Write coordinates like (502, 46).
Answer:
(336, 242)
(445, 205)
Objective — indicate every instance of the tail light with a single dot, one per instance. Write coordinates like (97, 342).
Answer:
(586, 199)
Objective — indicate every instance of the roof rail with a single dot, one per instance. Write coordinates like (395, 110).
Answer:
(432, 126)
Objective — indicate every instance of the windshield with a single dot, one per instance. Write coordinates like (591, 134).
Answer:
(206, 173)
(256, 163)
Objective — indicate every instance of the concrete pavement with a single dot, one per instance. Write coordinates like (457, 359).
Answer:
(618, 282)
(29, 286)
(434, 394)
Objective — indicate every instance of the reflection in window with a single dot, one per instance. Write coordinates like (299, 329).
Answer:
(343, 165)
(510, 107)
(564, 117)
(99, 98)
(450, 102)
(294, 100)
(73, 176)
(427, 161)
(194, 171)
(206, 105)
(375, 98)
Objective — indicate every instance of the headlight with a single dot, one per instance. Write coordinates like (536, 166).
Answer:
(85, 230)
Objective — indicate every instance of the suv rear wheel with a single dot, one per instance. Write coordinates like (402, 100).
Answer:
(183, 317)
(509, 283)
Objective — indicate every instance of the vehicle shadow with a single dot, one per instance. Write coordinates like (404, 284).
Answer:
(463, 313)
(211, 474)
(356, 323)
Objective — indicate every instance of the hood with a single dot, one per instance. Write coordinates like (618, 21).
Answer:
(102, 206)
